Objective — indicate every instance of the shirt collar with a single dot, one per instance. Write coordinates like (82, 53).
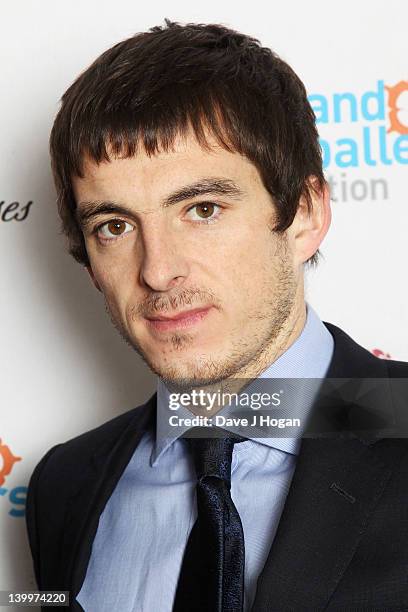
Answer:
(308, 357)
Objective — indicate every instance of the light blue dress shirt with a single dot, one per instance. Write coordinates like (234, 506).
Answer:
(142, 532)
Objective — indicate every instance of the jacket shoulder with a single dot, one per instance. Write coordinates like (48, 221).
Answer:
(67, 457)
(397, 369)
(89, 441)
(351, 360)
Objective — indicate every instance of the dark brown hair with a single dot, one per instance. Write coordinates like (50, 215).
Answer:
(156, 84)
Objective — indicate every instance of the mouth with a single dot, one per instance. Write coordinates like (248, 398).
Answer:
(184, 319)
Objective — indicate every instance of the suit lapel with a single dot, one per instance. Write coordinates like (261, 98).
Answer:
(334, 490)
(98, 481)
(336, 485)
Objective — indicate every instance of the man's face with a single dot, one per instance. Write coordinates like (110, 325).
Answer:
(190, 229)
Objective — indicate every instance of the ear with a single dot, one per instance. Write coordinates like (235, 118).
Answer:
(310, 226)
(91, 274)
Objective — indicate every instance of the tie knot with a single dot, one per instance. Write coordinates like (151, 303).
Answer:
(212, 455)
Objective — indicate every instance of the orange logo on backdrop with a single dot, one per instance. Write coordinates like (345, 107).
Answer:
(393, 95)
(8, 462)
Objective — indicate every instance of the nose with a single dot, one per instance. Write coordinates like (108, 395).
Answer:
(164, 264)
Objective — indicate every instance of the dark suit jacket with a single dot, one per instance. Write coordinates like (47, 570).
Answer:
(342, 541)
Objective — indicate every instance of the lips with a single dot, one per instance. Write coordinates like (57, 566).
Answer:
(180, 315)
(186, 320)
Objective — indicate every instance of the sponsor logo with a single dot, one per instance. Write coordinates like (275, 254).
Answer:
(362, 130)
(17, 495)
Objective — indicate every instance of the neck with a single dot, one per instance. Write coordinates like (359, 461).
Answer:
(290, 331)
(286, 337)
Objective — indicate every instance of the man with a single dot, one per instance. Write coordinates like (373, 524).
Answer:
(190, 186)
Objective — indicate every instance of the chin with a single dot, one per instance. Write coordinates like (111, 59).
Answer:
(183, 361)
(198, 371)
(183, 372)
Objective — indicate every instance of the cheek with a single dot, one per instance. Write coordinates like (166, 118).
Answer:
(113, 267)
(252, 260)
(111, 280)
(241, 279)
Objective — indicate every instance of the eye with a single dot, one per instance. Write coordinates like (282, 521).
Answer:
(204, 212)
(113, 228)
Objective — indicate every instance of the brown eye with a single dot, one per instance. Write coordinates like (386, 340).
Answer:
(205, 210)
(114, 227)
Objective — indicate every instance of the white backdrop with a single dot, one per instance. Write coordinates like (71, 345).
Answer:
(64, 369)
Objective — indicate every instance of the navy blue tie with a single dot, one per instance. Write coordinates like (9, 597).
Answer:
(212, 573)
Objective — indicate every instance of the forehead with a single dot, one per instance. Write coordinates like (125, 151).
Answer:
(166, 170)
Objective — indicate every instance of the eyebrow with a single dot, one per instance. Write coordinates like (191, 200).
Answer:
(210, 185)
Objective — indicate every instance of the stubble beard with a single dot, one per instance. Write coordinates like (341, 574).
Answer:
(249, 353)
